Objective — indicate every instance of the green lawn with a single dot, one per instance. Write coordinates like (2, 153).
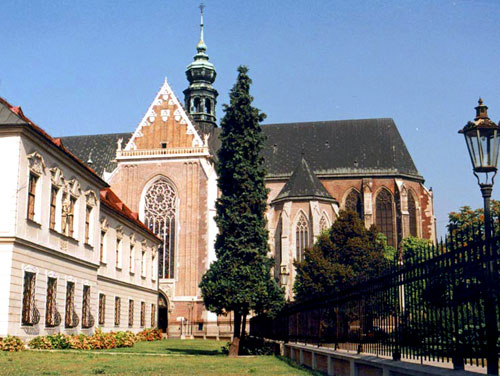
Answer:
(189, 357)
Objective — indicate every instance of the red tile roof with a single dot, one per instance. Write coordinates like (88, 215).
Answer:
(113, 202)
(56, 141)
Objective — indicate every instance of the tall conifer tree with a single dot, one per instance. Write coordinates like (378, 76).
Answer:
(239, 281)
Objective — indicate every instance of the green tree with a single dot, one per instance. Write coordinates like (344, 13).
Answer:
(239, 281)
(467, 220)
(346, 255)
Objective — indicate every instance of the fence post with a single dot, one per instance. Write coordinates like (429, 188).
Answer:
(396, 353)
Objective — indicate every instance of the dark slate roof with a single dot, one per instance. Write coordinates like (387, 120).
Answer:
(100, 148)
(365, 147)
(303, 185)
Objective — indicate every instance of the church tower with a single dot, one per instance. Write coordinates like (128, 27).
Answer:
(200, 97)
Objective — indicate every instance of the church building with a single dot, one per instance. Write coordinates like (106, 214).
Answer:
(164, 171)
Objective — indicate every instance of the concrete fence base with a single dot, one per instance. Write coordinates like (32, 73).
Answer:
(339, 363)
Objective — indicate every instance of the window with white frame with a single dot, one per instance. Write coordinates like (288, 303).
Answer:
(119, 248)
(51, 315)
(36, 170)
(132, 259)
(30, 314)
(143, 263)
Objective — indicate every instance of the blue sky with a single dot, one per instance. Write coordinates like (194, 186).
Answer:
(85, 67)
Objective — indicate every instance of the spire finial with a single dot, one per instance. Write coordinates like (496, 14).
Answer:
(202, 6)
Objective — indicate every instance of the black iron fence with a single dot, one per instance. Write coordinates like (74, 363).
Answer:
(436, 304)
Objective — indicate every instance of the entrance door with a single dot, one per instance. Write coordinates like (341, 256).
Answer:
(162, 314)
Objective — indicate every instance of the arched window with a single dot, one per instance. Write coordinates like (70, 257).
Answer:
(159, 217)
(324, 223)
(412, 211)
(197, 105)
(302, 240)
(277, 249)
(353, 203)
(208, 106)
(384, 215)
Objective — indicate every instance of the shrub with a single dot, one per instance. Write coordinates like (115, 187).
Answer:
(125, 339)
(80, 342)
(11, 343)
(252, 346)
(59, 341)
(151, 334)
(40, 343)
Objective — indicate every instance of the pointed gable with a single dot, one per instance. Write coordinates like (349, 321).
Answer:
(303, 185)
(165, 124)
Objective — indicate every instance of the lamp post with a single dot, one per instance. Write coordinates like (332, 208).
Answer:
(483, 142)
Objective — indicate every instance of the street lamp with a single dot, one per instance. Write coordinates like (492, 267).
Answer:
(483, 142)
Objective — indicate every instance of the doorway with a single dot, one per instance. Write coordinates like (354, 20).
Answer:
(162, 313)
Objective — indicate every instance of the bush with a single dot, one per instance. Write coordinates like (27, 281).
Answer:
(125, 339)
(11, 343)
(252, 346)
(59, 341)
(150, 334)
(97, 341)
(41, 343)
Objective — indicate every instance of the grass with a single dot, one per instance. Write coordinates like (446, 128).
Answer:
(189, 357)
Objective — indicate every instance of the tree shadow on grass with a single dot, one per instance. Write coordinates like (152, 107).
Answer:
(193, 351)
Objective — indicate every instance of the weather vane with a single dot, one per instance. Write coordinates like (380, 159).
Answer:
(202, 6)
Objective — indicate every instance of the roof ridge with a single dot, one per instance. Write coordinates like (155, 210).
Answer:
(96, 134)
(329, 121)
(303, 183)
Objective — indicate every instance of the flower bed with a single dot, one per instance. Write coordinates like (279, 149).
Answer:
(11, 343)
(98, 341)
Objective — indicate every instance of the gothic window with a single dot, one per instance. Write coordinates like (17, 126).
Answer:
(86, 317)
(102, 308)
(69, 321)
(159, 216)
(323, 223)
(130, 313)
(384, 215)
(33, 180)
(153, 315)
(143, 314)
(53, 206)
(302, 239)
(412, 211)
(353, 203)
(29, 310)
(278, 248)
(50, 306)
(117, 311)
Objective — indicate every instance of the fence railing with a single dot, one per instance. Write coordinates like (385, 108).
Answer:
(437, 304)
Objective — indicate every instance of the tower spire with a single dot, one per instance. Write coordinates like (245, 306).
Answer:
(200, 97)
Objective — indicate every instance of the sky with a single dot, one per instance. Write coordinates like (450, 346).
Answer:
(88, 67)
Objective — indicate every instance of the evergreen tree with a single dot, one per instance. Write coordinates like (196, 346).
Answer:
(345, 255)
(239, 281)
